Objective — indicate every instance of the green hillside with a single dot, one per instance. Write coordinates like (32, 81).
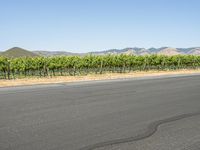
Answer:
(18, 52)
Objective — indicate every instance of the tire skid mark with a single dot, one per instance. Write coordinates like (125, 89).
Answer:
(151, 129)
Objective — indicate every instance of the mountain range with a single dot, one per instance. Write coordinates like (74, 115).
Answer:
(19, 52)
(161, 51)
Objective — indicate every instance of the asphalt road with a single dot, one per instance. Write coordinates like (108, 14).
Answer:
(133, 114)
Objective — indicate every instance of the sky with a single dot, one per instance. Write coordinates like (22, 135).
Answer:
(93, 25)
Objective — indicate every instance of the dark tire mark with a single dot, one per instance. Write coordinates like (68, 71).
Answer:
(151, 129)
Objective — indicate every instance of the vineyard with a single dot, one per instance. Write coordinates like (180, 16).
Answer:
(11, 68)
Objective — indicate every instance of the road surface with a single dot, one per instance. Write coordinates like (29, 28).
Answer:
(132, 114)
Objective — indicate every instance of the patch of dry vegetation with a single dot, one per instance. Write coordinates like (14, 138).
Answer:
(90, 77)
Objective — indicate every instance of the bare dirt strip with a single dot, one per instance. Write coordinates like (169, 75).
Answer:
(90, 77)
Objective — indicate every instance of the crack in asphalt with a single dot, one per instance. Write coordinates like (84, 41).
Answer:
(151, 129)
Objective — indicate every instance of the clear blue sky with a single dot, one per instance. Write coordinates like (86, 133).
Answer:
(90, 25)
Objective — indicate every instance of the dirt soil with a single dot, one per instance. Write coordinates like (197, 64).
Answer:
(106, 76)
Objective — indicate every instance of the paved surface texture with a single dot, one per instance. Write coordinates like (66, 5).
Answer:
(142, 114)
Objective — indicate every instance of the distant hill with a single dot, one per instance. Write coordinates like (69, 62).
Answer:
(18, 52)
(56, 53)
(169, 51)
(194, 51)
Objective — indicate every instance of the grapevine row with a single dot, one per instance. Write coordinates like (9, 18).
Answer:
(11, 68)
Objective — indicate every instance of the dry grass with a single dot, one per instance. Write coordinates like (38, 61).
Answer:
(106, 76)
